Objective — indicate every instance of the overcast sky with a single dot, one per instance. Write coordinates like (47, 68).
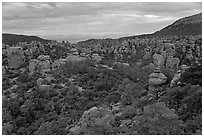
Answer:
(92, 18)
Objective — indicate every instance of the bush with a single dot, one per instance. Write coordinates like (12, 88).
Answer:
(157, 119)
(192, 75)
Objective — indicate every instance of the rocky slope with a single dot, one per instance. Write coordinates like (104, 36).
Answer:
(191, 25)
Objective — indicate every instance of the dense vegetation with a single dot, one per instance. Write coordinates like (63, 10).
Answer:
(51, 112)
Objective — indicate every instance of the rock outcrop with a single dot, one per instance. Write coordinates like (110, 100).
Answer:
(33, 63)
(15, 57)
(158, 60)
(42, 65)
(176, 78)
(91, 120)
(172, 63)
(57, 63)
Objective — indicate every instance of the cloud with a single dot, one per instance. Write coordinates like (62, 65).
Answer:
(45, 18)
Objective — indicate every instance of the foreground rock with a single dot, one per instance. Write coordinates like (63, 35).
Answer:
(15, 57)
(92, 120)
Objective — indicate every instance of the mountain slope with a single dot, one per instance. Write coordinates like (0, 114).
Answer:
(11, 39)
(191, 25)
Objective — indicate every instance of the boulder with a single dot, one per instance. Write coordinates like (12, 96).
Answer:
(15, 56)
(92, 118)
(157, 77)
(44, 88)
(158, 60)
(156, 81)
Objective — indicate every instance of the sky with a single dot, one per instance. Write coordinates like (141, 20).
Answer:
(73, 19)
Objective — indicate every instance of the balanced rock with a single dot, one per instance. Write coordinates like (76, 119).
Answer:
(176, 78)
(156, 81)
(157, 77)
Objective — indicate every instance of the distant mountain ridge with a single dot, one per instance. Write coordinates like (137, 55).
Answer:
(11, 39)
(191, 25)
